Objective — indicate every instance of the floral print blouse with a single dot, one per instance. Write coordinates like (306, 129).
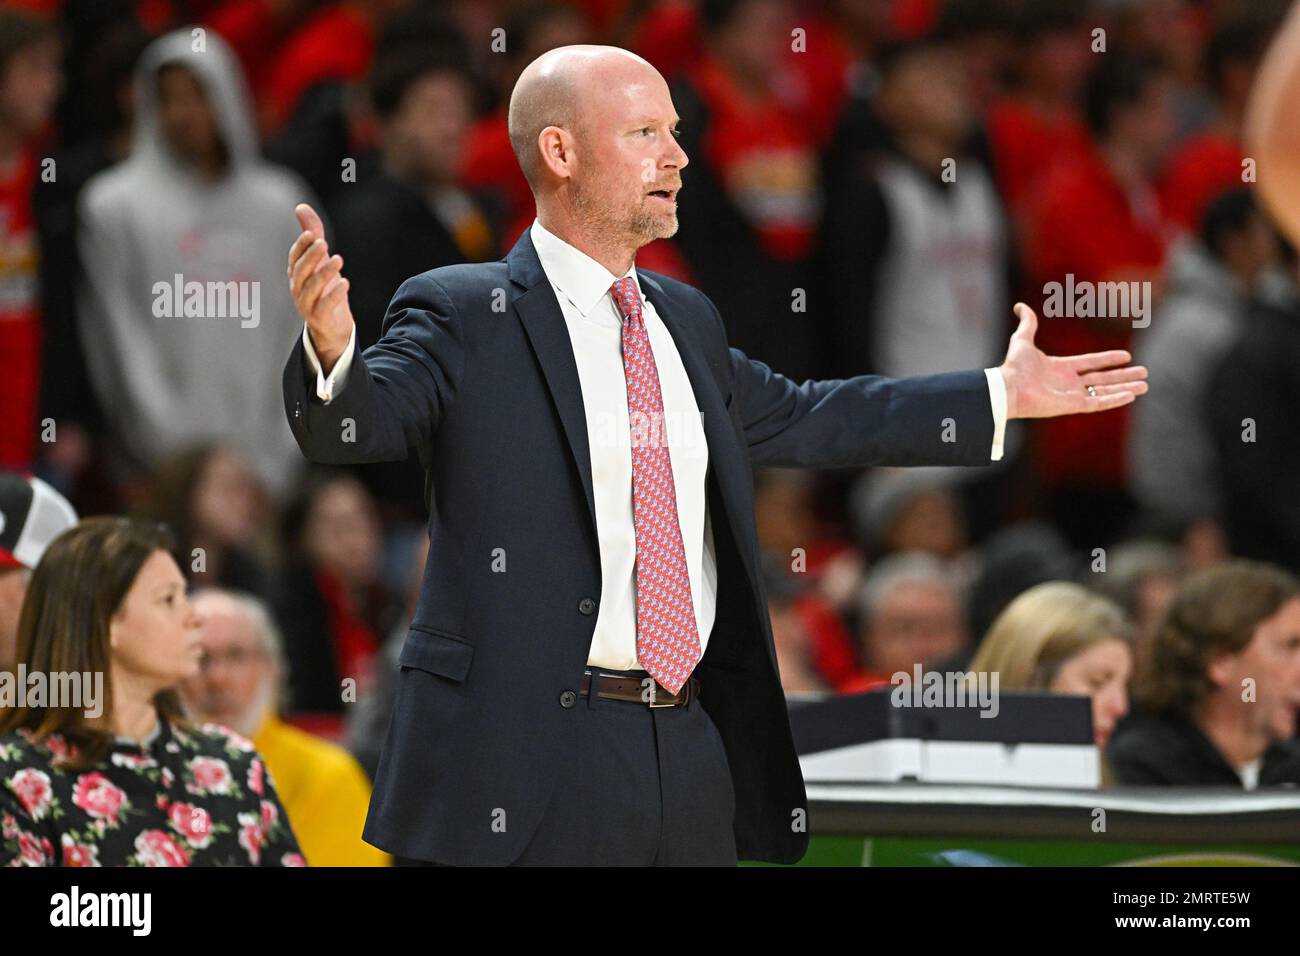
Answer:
(201, 798)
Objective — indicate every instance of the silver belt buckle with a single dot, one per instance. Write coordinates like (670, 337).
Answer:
(654, 690)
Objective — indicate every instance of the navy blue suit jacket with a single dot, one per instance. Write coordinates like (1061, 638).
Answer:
(475, 374)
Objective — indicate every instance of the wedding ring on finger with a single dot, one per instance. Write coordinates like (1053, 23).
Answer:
(1092, 391)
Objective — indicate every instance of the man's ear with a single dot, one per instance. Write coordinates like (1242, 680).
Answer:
(556, 146)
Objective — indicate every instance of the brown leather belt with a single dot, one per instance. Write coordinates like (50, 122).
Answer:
(639, 690)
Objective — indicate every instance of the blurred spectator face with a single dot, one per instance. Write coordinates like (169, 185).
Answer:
(789, 634)
(342, 533)
(783, 511)
(1101, 672)
(1272, 661)
(185, 115)
(926, 94)
(13, 586)
(1148, 124)
(868, 19)
(155, 633)
(1057, 63)
(427, 133)
(915, 622)
(30, 88)
(756, 38)
(1204, 544)
(929, 522)
(1252, 250)
(226, 500)
(237, 672)
(1155, 594)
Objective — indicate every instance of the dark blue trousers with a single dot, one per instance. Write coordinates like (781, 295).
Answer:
(641, 786)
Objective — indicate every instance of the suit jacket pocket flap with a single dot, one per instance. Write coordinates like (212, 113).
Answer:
(436, 653)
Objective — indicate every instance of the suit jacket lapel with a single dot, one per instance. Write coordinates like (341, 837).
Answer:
(539, 311)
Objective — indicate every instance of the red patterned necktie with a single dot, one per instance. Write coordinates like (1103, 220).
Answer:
(667, 639)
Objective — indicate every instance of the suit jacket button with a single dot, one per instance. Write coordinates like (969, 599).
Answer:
(297, 409)
(586, 605)
(567, 699)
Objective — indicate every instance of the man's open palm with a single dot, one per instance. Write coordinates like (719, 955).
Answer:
(1044, 386)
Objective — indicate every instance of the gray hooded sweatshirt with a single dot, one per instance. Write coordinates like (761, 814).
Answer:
(185, 309)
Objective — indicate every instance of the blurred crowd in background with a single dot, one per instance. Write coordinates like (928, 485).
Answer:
(872, 184)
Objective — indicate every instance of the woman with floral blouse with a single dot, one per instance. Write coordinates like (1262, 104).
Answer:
(125, 780)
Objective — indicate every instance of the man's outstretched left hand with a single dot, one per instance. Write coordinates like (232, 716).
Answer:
(1044, 386)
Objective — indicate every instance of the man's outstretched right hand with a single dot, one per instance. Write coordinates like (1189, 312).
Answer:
(319, 290)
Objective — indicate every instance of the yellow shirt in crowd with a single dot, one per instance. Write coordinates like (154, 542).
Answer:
(325, 793)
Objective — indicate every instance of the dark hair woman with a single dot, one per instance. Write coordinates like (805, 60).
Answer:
(115, 775)
(1219, 693)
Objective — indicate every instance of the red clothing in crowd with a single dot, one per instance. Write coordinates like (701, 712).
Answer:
(335, 43)
(1026, 145)
(862, 681)
(1201, 169)
(1082, 221)
(20, 320)
(488, 164)
(252, 32)
(766, 161)
(354, 642)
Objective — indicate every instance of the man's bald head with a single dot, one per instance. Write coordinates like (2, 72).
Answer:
(560, 88)
(595, 132)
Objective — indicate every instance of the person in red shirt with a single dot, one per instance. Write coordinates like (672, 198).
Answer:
(1212, 160)
(488, 162)
(1097, 219)
(1038, 124)
(30, 81)
(336, 42)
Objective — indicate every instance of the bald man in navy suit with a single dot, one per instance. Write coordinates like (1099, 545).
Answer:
(589, 677)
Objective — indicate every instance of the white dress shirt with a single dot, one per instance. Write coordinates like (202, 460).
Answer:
(594, 323)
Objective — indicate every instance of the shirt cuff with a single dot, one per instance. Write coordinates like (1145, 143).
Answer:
(998, 399)
(338, 377)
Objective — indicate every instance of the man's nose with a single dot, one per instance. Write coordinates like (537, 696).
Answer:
(677, 157)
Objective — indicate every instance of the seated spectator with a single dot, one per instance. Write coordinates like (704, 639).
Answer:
(1011, 562)
(828, 570)
(32, 514)
(89, 785)
(367, 720)
(1060, 638)
(909, 509)
(1218, 697)
(796, 650)
(1141, 577)
(212, 502)
(324, 790)
(911, 612)
(333, 605)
